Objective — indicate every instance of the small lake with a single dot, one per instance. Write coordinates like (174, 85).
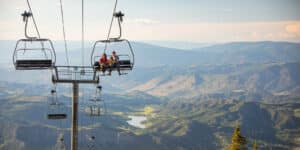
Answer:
(136, 121)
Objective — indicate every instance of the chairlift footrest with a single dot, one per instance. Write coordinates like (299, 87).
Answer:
(56, 116)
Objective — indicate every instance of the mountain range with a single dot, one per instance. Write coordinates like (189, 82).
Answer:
(147, 55)
(196, 97)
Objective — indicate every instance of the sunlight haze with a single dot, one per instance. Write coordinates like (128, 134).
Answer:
(172, 20)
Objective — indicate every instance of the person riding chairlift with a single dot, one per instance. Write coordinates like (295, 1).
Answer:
(114, 62)
(103, 63)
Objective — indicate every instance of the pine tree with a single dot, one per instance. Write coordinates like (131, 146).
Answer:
(255, 145)
(238, 142)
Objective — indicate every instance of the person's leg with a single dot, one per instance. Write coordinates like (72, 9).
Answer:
(118, 68)
(112, 66)
(101, 66)
(110, 69)
(97, 65)
(104, 68)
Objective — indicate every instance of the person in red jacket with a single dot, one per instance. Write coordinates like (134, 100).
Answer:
(114, 62)
(103, 63)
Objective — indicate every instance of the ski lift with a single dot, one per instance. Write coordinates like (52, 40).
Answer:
(33, 53)
(96, 105)
(56, 109)
(60, 143)
(121, 47)
(95, 108)
(91, 141)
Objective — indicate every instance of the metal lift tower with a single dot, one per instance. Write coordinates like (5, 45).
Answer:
(75, 75)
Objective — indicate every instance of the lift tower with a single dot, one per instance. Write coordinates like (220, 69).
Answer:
(74, 75)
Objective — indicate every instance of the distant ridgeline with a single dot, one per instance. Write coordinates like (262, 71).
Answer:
(272, 82)
(150, 55)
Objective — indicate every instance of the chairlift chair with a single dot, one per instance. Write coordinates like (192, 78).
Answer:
(91, 143)
(126, 59)
(96, 105)
(56, 110)
(60, 143)
(94, 110)
(33, 53)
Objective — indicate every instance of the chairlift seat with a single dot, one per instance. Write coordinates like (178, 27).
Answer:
(57, 116)
(95, 100)
(94, 111)
(125, 65)
(33, 64)
(95, 114)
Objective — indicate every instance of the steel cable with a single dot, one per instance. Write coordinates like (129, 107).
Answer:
(64, 32)
(111, 23)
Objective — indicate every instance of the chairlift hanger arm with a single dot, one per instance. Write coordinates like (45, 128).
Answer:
(26, 16)
(111, 24)
(119, 15)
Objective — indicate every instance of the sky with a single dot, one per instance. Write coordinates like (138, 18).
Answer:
(200, 21)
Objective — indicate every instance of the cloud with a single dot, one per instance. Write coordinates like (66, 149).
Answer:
(217, 32)
(143, 21)
(147, 29)
(293, 28)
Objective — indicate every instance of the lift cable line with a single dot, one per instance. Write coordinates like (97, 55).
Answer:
(34, 22)
(111, 24)
(82, 31)
(64, 32)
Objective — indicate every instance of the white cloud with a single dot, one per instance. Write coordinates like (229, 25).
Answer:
(293, 28)
(217, 32)
(142, 21)
(146, 29)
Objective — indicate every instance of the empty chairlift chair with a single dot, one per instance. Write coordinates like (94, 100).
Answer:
(56, 110)
(33, 53)
(96, 106)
